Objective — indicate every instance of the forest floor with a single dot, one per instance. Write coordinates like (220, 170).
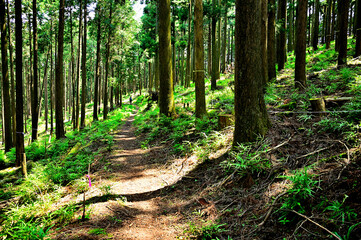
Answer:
(179, 178)
(135, 204)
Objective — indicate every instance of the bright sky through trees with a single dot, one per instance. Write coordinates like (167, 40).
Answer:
(138, 8)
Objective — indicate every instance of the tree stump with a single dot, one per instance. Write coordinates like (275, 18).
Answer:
(318, 105)
(225, 120)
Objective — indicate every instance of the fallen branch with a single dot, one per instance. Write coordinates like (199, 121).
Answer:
(271, 209)
(312, 153)
(316, 224)
(279, 145)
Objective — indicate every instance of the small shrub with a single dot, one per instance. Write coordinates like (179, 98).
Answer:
(209, 231)
(302, 189)
(338, 210)
(247, 158)
(97, 231)
(26, 230)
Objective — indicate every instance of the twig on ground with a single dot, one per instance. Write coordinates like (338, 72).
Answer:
(348, 159)
(279, 145)
(298, 227)
(310, 220)
(312, 153)
(270, 210)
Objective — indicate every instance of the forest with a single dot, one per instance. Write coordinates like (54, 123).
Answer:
(180, 119)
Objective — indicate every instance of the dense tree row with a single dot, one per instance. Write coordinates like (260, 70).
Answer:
(70, 53)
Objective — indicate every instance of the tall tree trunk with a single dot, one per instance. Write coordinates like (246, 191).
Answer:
(251, 119)
(316, 25)
(156, 71)
(358, 29)
(59, 78)
(328, 23)
(300, 52)
(264, 25)
(291, 32)
(174, 52)
(5, 77)
(271, 41)
(224, 42)
(97, 68)
(105, 101)
(166, 99)
(343, 7)
(30, 80)
(20, 153)
(150, 82)
(34, 112)
(188, 62)
(46, 98)
(215, 64)
(72, 71)
(350, 18)
(12, 92)
(83, 71)
(51, 81)
(308, 25)
(229, 45)
(209, 60)
(281, 38)
(333, 25)
(39, 104)
(100, 85)
(78, 66)
(199, 60)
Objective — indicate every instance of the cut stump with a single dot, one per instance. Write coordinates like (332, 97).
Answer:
(318, 105)
(225, 120)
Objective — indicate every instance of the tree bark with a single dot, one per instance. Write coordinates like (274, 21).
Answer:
(264, 25)
(51, 81)
(105, 101)
(343, 7)
(281, 38)
(215, 64)
(291, 31)
(59, 78)
(224, 42)
(209, 48)
(316, 25)
(328, 23)
(199, 60)
(12, 92)
(5, 77)
(78, 66)
(166, 99)
(188, 61)
(358, 29)
(83, 71)
(97, 68)
(300, 52)
(20, 153)
(34, 112)
(271, 41)
(251, 119)
(333, 25)
(72, 71)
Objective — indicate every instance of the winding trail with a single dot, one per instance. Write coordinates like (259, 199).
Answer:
(128, 196)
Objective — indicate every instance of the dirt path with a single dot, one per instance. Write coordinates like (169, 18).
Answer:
(127, 199)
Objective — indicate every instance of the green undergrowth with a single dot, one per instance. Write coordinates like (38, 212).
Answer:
(304, 189)
(185, 133)
(53, 165)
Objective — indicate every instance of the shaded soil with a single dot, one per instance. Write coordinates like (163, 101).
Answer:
(128, 198)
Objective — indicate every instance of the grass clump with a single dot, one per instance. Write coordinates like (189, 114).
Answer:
(302, 188)
(247, 158)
